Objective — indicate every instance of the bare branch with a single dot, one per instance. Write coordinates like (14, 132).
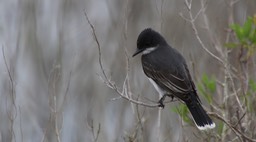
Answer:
(91, 127)
(234, 129)
(98, 44)
(188, 4)
(12, 114)
(106, 79)
(9, 73)
(192, 22)
(21, 131)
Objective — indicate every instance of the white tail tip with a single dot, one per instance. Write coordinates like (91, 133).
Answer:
(206, 127)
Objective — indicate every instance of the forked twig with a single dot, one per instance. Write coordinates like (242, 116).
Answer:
(234, 129)
(106, 79)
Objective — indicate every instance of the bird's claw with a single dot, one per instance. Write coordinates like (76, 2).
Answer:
(161, 101)
(161, 104)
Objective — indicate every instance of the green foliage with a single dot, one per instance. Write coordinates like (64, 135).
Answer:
(251, 91)
(182, 111)
(252, 85)
(220, 127)
(231, 45)
(207, 87)
(246, 35)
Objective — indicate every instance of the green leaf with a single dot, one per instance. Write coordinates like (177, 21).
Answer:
(252, 85)
(207, 87)
(200, 88)
(238, 30)
(202, 91)
(183, 111)
(252, 36)
(205, 78)
(247, 27)
(176, 110)
(231, 45)
(211, 84)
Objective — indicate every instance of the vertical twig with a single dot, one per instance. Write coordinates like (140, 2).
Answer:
(91, 127)
(159, 122)
(55, 112)
(98, 45)
(21, 131)
(106, 79)
(127, 80)
(13, 112)
(192, 21)
(228, 79)
(52, 91)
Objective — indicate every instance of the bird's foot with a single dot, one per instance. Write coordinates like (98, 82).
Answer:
(172, 98)
(161, 102)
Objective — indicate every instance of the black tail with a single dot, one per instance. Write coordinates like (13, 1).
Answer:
(201, 119)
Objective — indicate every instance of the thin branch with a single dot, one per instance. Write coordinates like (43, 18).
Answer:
(126, 87)
(68, 84)
(234, 129)
(159, 122)
(13, 112)
(47, 128)
(95, 136)
(228, 67)
(192, 22)
(113, 86)
(98, 44)
(21, 131)
(240, 119)
(9, 72)
(106, 79)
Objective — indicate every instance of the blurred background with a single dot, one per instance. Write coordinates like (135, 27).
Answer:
(51, 85)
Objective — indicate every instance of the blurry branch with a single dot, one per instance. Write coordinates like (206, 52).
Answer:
(98, 44)
(21, 131)
(224, 62)
(12, 113)
(127, 79)
(68, 84)
(228, 69)
(160, 12)
(10, 77)
(233, 128)
(159, 122)
(53, 82)
(46, 129)
(56, 112)
(192, 22)
(107, 80)
(95, 136)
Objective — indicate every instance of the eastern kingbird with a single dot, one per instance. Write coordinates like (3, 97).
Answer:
(168, 72)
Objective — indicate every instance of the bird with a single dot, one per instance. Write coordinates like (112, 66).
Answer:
(167, 70)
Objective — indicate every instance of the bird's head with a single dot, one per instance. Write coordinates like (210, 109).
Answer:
(148, 41)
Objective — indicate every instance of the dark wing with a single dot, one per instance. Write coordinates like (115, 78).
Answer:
(175, 80)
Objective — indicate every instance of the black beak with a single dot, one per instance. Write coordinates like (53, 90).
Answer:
(137, 52)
